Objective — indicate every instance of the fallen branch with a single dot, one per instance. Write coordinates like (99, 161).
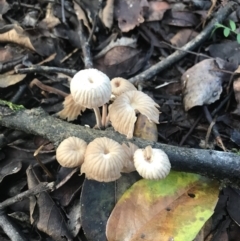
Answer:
(179, 54)
(223, 166)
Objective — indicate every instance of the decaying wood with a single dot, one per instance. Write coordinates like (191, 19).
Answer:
(224, 166)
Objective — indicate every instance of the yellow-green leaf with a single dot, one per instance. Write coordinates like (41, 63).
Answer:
(171, 209)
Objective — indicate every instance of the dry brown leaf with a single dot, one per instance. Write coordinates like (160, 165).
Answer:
(8, 79)
(182, 37)
(50, 21)
(123, 41)
(145, 129)
(129, 13)
(18, 36)
(156, 10)
(181, 19)
(81, 15)
(202, 84)
(107, 14)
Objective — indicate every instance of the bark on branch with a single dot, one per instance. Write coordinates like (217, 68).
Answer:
(223, 166)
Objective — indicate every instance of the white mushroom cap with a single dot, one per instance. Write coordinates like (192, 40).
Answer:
(122, 113)
(152, 163)
(104, 159)
(90, 88)
(128, 160)
(70, 152)
(71, 110)
(120, 85)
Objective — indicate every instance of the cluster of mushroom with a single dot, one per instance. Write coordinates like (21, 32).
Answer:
(104, 159)
(90, 88)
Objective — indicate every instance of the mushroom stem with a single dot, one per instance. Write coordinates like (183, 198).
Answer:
(104, 115)
(98, 117)
(148, 153)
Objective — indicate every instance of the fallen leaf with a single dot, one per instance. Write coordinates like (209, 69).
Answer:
(156, 10)
(15, 34)
(182, 37)
(129, 13)
(181, 19)
(202, 83)
(229, 51)
(97, 201)
(107, 14)
(145, 129)
(9, 169)
(10, 79)
(171, 209)
(46, 214)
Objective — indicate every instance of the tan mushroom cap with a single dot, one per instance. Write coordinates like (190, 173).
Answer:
(128, 161)
(152, 163)
(90, 88)
(71, 110)
(120, 85)
(70, 152)
(122, 113)
(104, 159)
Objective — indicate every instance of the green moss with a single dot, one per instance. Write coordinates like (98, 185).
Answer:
(12, 106)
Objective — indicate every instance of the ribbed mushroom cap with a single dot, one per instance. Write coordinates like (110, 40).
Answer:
(120, 85)
(152, 163)
(122, 113)
(104, 159)
(70, 152)
(90, 88)
(128, 160)
(71, 110)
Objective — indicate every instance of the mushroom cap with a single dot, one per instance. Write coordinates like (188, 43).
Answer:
(90, 88)
(71, 110)
(70, 152)
(104, 160)
(152, 163)
(122, 113)
(128, 160)
(120, 85)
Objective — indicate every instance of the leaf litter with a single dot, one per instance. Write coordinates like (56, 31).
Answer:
(198, 96)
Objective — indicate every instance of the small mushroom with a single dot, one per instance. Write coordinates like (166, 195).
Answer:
(122, 113)
(128, 160)
(71, 110)
(70, 152)
(91, 88)
(104, 160)
(152, 163)
(120, 85)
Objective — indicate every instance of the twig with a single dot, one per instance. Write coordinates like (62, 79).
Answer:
(191, 130)
(87, 57)
(10, 229)
(44, 186)
(213, 127)
(179, 54)
(46, 69)
(215, 164)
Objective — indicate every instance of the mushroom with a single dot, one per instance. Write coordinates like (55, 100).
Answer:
(151, 163)
(71, 109)
(120, 85)
(91, 89)
(128, 160)
(122, 113)
(70, 152)
(104, 160)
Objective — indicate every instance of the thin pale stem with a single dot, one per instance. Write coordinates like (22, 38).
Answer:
(98, 117)
(104, 115)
